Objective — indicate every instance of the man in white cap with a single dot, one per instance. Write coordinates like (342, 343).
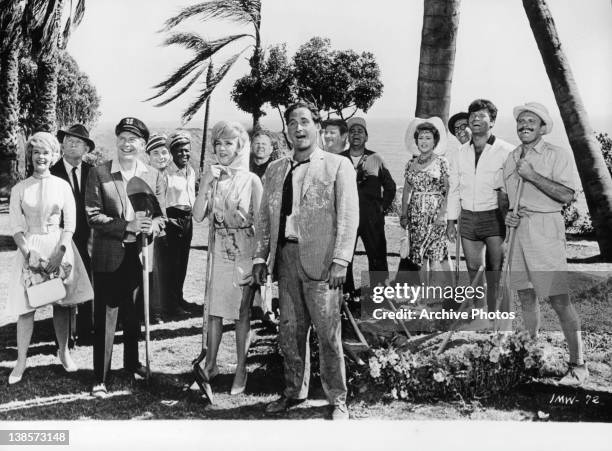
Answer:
(376, 190)
(539, 261)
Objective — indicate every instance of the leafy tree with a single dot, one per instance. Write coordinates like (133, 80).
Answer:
(275, 85)
(336, 80)
(77, 98)
(242, 12)
(47, 25)
(10, 16)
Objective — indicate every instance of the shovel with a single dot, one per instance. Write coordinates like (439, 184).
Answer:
(503, 296)
(143, 200)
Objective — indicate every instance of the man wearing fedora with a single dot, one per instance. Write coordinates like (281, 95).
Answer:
(539, 260)
(116, 263)
(71, 167)
(459, 127)
(376, 190)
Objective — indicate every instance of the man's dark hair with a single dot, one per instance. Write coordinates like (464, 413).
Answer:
(316, 117)
(427, 127)
(340, 123)
(483, 104)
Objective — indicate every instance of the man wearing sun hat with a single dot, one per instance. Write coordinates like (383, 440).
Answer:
(376, 190)
(71, 167)
(539, 260)
(115, 260)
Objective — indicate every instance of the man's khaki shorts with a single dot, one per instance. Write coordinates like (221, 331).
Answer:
(539, 258)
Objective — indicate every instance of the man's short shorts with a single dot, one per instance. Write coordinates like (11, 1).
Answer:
(479, 225)
(539, 258)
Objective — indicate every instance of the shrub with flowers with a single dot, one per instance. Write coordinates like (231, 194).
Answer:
(481, 366)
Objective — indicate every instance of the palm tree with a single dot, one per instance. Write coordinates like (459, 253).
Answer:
(440, 24)
(43, 22)
(596, 180)
(243, 12)
(10, 41)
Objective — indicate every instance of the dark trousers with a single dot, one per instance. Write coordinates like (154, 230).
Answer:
(84, 319)
(179, 231)
(116, 295)
(158, 282)
(372, 232)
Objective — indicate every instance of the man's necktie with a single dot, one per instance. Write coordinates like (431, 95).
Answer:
(287, 200)
(75, 184)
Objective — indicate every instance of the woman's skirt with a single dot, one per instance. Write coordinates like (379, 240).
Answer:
(78, 287)
(232, 268)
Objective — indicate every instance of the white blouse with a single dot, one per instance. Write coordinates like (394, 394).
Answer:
(37, 204)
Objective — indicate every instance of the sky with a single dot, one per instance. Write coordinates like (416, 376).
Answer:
(118, 45)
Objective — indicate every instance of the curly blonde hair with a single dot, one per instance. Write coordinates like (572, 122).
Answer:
(45, 140)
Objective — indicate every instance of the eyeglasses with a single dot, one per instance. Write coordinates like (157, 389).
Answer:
(459, 128)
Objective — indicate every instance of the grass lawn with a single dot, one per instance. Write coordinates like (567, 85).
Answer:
(47, 392)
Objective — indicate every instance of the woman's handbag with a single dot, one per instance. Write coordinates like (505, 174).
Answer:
(44, 293)
(405, 244)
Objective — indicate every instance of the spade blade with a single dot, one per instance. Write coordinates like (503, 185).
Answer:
(142, 197)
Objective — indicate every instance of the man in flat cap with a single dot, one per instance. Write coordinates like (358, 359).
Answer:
(539, 260)
(180, 196)
(376, 190)
(71, 167)
(115, 261)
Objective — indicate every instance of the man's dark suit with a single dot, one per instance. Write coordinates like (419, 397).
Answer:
(84, 326)
(115, 263)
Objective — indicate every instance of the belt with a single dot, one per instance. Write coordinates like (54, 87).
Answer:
(43, 229)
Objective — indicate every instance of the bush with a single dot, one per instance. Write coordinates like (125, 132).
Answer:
(485, 365)
(606, 148)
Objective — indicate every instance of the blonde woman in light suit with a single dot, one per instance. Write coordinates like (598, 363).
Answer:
(234, 206)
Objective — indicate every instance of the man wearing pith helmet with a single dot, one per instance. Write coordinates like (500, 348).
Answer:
(539, 260)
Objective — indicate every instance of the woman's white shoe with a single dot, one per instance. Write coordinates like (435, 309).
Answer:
(67, 362)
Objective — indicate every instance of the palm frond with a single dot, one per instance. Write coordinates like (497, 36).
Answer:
(79, 13)
(177, 77)
(74, 19)
(194, 41)
(243, 12)
(209, 87)
(41, 23)
(184, 89)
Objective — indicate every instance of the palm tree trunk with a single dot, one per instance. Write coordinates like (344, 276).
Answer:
(596, 180)
(438, 37)
(9, 117)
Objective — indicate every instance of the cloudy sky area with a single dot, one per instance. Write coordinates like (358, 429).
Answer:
(118, 45)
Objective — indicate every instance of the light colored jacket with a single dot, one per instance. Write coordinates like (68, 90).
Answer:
(328, 217)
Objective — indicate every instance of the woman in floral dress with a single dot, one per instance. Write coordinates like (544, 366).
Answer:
(235, 204)
(44, 250)
(424, 200)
